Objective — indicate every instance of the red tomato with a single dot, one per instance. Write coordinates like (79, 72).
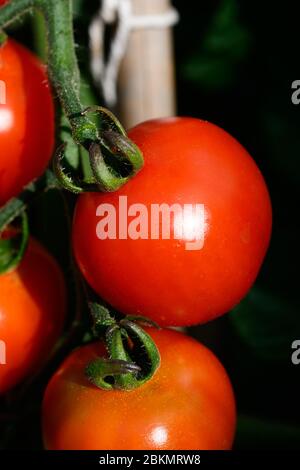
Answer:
(32, 311)
(188, 403)
(187, 161)
(26, 119)
(3, 2)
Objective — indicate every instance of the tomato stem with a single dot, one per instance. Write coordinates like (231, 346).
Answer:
(14, 10)
(16, 206)
(65, 76)
(63, 67)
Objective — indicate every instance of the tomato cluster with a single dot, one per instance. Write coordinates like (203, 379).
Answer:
(180, 278)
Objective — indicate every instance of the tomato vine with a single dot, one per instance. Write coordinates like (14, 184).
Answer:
(113, 160)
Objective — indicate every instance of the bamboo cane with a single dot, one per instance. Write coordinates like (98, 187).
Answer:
(146, 82)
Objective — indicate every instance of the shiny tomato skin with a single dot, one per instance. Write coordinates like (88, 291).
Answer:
(188, 403)
(187, 161)
(26, 119)
(32, 312)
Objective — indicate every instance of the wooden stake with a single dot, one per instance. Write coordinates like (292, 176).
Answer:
(146, 83)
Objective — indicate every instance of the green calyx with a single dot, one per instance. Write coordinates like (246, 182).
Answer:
(133, 357)
(113, 158)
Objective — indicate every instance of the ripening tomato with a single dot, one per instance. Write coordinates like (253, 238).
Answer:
(26, 119)
(32, 312)
(187, 404)
(2, 2)
(177, 268)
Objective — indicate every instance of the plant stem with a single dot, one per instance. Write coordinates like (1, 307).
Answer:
(39, 34)
(14, 207)
(63, 68)
(14, 10)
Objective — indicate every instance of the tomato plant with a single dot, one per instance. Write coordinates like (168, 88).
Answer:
(188, 404)
(32, 306)
(26, 119)
(187, 161)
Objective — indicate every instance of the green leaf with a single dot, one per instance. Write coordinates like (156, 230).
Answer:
(226, 35)
(72, 150)
(225, 45)
(281, 137)
(267, 323)
(255, 433)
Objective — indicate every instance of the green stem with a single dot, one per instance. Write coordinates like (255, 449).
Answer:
(63, 67)
(39, 35)
(15, 206)
(14, 10)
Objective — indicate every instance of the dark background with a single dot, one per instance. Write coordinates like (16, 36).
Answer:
(236, 61)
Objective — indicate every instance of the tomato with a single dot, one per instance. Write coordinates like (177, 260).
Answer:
(188, 403)
(32, 311)
(187, 162)
(26, 119)
(3, 2)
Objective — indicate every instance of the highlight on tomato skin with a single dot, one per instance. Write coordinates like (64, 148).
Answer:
(26, 119)
(187, 162)
(188, 403)
(32, 314)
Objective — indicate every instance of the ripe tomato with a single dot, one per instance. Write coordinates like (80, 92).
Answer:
(188, 403)
(26, 119)
(32, 310)
(3, 2)
(187, 161)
